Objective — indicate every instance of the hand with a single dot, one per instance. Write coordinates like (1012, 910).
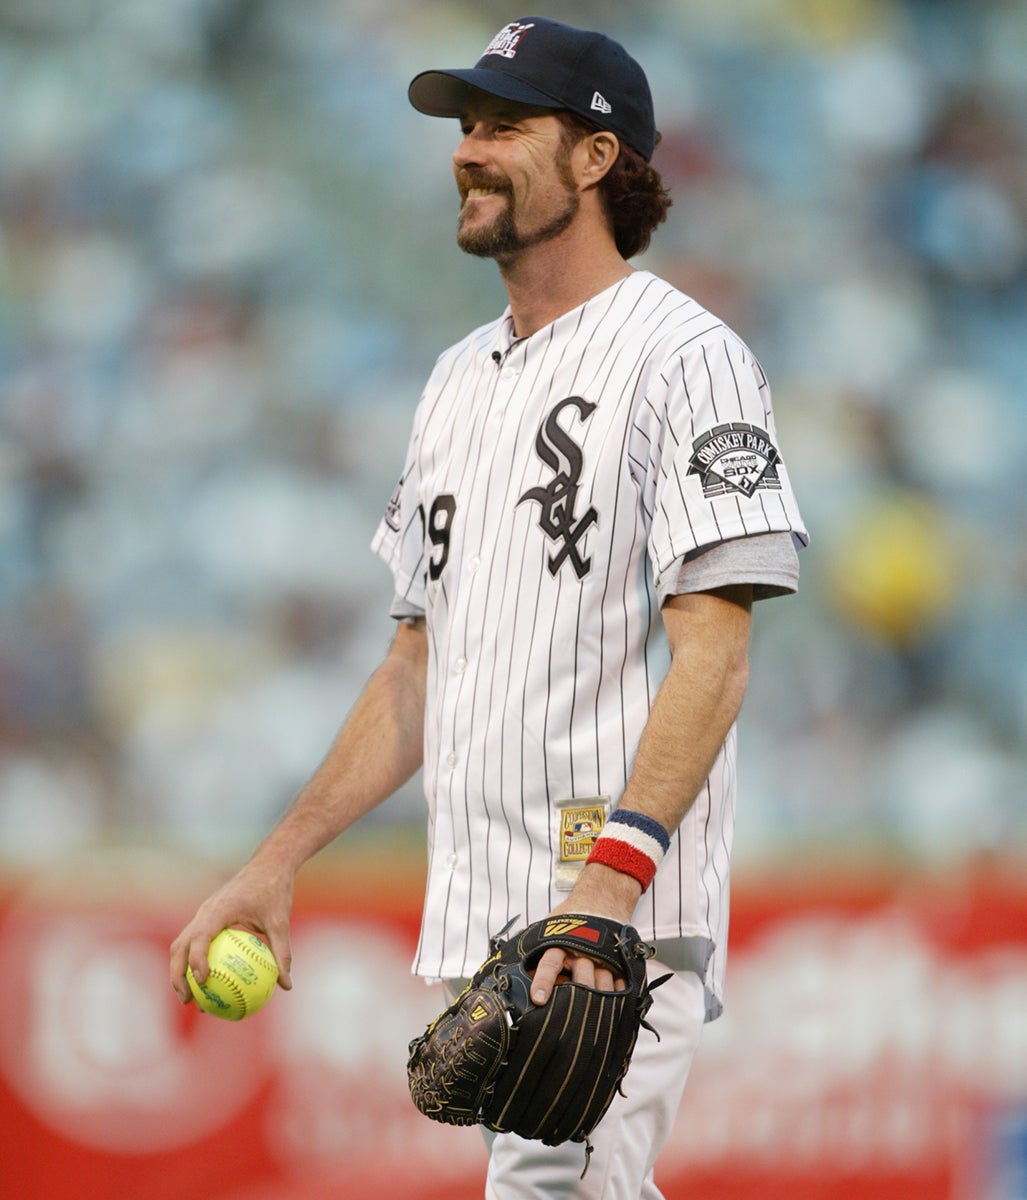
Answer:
(256, 899)
(600, 891)
(586, 971)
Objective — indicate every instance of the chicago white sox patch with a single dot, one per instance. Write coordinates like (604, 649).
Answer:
(735, 457)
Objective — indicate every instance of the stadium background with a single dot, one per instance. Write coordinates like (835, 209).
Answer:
(226, 266)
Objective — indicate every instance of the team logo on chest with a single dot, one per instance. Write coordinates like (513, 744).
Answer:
(558, 499)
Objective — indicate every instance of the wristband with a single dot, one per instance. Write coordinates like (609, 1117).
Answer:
(631, 843)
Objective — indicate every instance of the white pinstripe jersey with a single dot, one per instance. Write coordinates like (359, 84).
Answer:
(552, 488)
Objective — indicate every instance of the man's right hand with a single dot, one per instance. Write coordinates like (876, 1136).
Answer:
(256, 899)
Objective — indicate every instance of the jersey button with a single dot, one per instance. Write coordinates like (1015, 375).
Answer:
(453, 862)
(452, 760)
(461, 665)
(508, 373)
(473, 564)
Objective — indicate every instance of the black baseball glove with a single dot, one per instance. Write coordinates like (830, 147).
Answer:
(548, 1072)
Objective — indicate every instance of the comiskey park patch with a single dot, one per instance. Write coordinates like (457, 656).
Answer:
(736, 457)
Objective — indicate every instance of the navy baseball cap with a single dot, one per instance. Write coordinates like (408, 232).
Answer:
(537, 61)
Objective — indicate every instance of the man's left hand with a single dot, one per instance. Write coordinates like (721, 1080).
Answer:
(600, 891)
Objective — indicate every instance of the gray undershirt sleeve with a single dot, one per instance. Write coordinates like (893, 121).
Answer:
(769, 561)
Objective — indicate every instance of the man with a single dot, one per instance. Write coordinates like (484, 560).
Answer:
(591, 501)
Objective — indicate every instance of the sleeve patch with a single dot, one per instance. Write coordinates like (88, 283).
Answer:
(393, 508)
(737, 457)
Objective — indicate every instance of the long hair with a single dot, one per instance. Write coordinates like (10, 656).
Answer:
(632, 191)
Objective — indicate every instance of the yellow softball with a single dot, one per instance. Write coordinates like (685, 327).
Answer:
(243, 974)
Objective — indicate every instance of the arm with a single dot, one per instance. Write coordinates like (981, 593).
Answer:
(696, 706)
(377, 750)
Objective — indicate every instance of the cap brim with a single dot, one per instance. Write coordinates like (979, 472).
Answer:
(445, 93)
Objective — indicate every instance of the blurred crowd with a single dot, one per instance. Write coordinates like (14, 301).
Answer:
(227, 265)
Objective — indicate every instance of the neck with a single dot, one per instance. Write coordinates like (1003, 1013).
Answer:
(546, 281)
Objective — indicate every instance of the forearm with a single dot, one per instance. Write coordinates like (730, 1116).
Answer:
(378, 749)
(693, 712)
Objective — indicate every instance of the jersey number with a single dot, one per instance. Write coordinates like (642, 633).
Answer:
(437, 529)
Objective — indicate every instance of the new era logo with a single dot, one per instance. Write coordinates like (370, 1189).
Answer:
(601, 104)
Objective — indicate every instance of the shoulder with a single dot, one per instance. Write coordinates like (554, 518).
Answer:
(688, 349)
(685, 326)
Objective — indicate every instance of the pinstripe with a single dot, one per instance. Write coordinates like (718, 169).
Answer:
(706, 797)
(558, 670)
(712, 385)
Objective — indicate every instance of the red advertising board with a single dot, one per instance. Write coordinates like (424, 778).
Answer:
(874, 1044)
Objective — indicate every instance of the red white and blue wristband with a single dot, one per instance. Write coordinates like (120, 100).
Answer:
(631, 843)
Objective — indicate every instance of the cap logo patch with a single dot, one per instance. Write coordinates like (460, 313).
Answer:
(507, 40)
(601, 104)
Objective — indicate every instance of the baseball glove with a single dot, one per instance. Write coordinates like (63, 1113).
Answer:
(547, 1072)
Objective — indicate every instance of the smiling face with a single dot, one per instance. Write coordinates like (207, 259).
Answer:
(514, 174)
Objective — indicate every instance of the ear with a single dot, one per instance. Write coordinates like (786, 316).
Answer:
(598, 152)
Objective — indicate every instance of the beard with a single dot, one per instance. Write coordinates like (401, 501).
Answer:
(502, 240)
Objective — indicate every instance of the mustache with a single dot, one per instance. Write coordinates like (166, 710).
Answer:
(468, 178)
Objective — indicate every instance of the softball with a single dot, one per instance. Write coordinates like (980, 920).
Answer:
(243, 974)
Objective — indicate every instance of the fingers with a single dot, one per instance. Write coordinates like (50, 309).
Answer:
(606, 981)
(254, 899)
(590, 973)
(189, 949)
(584, 971)
(281, 950)
(192, 945)
(557, 963)
(550, 968)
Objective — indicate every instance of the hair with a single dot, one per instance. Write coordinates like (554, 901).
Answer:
(632, 191)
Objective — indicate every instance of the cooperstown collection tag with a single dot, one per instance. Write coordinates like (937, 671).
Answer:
(580, 820)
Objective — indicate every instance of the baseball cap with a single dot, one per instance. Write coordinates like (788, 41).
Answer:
(534, 60)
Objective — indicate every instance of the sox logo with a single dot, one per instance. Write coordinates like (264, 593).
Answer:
(558, 499)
